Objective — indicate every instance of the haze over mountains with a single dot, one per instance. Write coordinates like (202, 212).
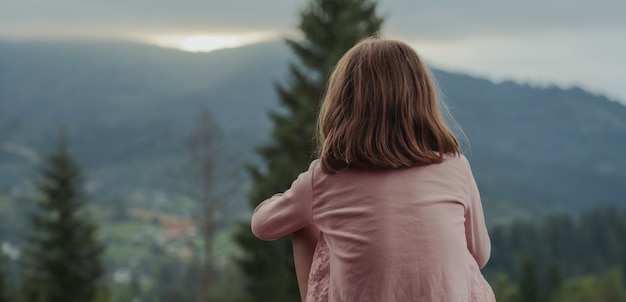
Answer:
(129, 109)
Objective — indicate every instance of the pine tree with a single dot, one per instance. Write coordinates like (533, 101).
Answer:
(3, 285)
(528, 281)
(553, 280)
(330, 28)
(612, 286)
(504, 290)
(63, 259)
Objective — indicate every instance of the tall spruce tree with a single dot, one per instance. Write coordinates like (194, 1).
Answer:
(553, 280)
(528, 280)
(3, 285)
(330, 28)
(63, 259)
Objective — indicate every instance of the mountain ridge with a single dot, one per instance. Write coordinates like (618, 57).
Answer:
(130, 107)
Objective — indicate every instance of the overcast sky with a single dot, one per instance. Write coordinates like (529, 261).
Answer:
(564, 42)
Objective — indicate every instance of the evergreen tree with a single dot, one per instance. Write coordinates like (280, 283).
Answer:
(612, 288)
(504, 290)
(63, 259)
(589, 243)
(330, 28)
(528, 282)
(553, 280)
(3, 285)
(607, 287)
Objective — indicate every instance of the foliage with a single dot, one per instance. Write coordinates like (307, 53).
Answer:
(3, 280)
(504, 290)
(553, 280)
(604, 287)
(528, 283)
(330, 28)
(591, 243)
(562, 258)
(63, 259)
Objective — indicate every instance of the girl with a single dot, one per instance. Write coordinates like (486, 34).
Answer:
(396, 203)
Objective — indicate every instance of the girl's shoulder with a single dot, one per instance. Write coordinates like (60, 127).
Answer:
(456, 162)
(453, 157)
(315, 167)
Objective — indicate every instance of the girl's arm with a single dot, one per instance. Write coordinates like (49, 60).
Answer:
(283, 214)
(304, 242)
(478, 241)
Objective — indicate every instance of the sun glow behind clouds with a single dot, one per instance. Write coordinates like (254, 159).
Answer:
(209, 42)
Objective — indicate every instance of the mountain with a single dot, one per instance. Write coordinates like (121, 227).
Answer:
(129, 109)
(560, 149)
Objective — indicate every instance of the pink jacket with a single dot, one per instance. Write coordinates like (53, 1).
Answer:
(409, 234)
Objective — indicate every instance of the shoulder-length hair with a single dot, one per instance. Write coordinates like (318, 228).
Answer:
(381, 110)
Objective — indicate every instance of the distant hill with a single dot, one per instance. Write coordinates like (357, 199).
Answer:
(555, 148)
(130, 108)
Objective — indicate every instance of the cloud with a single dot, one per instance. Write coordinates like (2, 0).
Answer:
(83, 18)
(559, 41)
(437, 20)
(427, 19)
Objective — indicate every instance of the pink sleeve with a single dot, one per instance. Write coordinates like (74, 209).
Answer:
(283, 214)
(478, 241)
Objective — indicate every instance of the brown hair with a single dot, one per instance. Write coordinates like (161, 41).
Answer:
(381, 110)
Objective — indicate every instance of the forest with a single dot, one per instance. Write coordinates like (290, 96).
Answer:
(151, 201)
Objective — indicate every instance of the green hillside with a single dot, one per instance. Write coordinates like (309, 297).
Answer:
(544, 147)
(129, 109)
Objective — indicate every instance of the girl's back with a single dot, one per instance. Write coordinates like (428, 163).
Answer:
(319, 278)
(400, 234)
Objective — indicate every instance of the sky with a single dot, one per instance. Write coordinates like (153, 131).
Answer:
(540, 42)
